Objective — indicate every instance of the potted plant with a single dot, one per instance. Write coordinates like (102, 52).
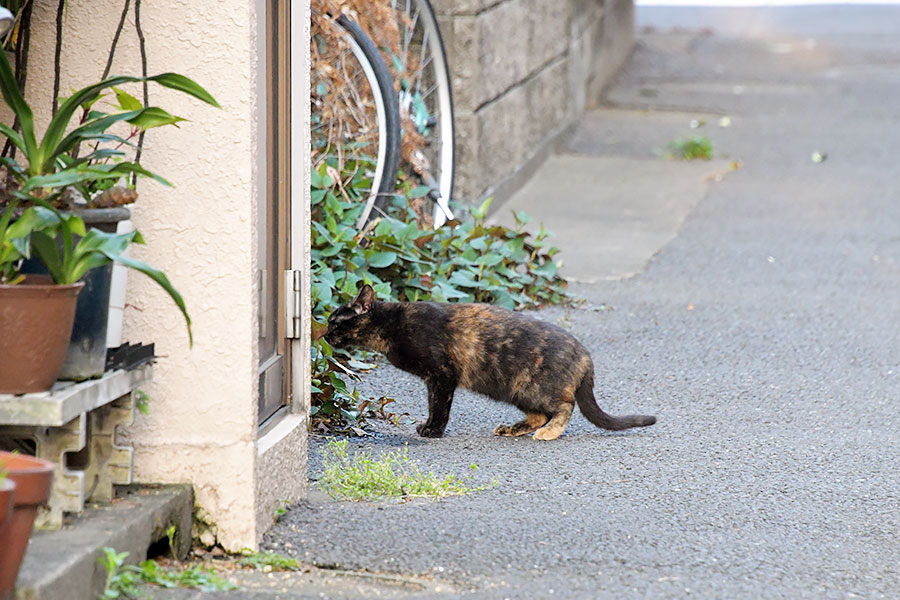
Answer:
(32, 478)
(35, 220)
(36, 314)
(102, 204)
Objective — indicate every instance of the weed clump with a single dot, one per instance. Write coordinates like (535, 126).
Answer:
(393, 475)
(123, 580)
(267, 561)
(698, 147)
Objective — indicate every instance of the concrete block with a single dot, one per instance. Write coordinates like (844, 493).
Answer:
(503, 48)
(548, 95)
(583, 14)
(580, 62)
(504, 139)
(612, 45)
(467, 184)
(462, 43)
(548, 31)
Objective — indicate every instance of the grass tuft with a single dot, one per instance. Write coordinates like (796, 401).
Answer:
(692, 148)
(393, 475)
(268, 561)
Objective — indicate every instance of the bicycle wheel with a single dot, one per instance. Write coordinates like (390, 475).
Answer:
(355, 110)
(426, 101)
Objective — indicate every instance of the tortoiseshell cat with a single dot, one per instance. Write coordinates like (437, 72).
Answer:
(536, 366)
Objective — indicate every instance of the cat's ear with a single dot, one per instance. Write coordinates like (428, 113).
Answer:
(364, 300)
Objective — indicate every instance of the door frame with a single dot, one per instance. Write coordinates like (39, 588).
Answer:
(300, 219)
(280, 141)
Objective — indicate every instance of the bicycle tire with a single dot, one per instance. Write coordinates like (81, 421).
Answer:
(380, 81)
(387, 183)
(441, 152)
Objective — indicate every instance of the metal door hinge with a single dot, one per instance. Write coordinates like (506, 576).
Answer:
(293, 303)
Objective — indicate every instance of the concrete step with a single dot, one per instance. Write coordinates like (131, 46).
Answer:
(62, 564)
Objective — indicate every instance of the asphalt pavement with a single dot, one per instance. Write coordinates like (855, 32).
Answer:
(760, 327)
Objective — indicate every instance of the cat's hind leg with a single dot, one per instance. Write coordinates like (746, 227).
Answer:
(531, 422)
(557, 423)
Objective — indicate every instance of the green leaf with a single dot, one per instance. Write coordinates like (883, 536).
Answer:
(47, 250)
(383, 228)
(127, 101)
(481, 211)
(419, 192)
(69, 177)
(184, 84)
(420, 112)
(548, 269)
(383, 290)
(479, 243)
(53, 136)
(338, 384)
(463, 278)
(10, 91)
(97, 155)
(449, 292)
(160, 278)
(14, 136)
(52, 149)
(331, 250)
(379, 260)
(489, 260)
(521, 217)
(131, 167)
(153, 116)
(505, 300)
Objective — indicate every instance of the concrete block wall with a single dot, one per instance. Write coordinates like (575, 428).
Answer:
(522, 71)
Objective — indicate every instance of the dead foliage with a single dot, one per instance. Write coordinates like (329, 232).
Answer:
(342, 102)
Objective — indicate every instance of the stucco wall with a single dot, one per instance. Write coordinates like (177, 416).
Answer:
(202, 425)
(522, 71)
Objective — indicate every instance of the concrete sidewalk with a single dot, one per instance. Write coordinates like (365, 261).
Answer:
(753, 311)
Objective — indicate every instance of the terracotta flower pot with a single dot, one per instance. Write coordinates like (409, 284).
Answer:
(36, 320)
(7, 488)
(32, 478)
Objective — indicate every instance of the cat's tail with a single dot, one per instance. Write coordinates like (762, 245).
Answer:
(588, 406)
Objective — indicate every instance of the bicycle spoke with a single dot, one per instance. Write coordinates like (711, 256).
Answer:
(424, 65)
(423, 51)
(414, 18)
(429, 91)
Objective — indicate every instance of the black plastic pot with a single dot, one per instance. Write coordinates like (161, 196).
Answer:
(86, 356)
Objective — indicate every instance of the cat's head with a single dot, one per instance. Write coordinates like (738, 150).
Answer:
(348, 324)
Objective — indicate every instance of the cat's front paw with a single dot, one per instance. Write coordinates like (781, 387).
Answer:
(430, 431)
